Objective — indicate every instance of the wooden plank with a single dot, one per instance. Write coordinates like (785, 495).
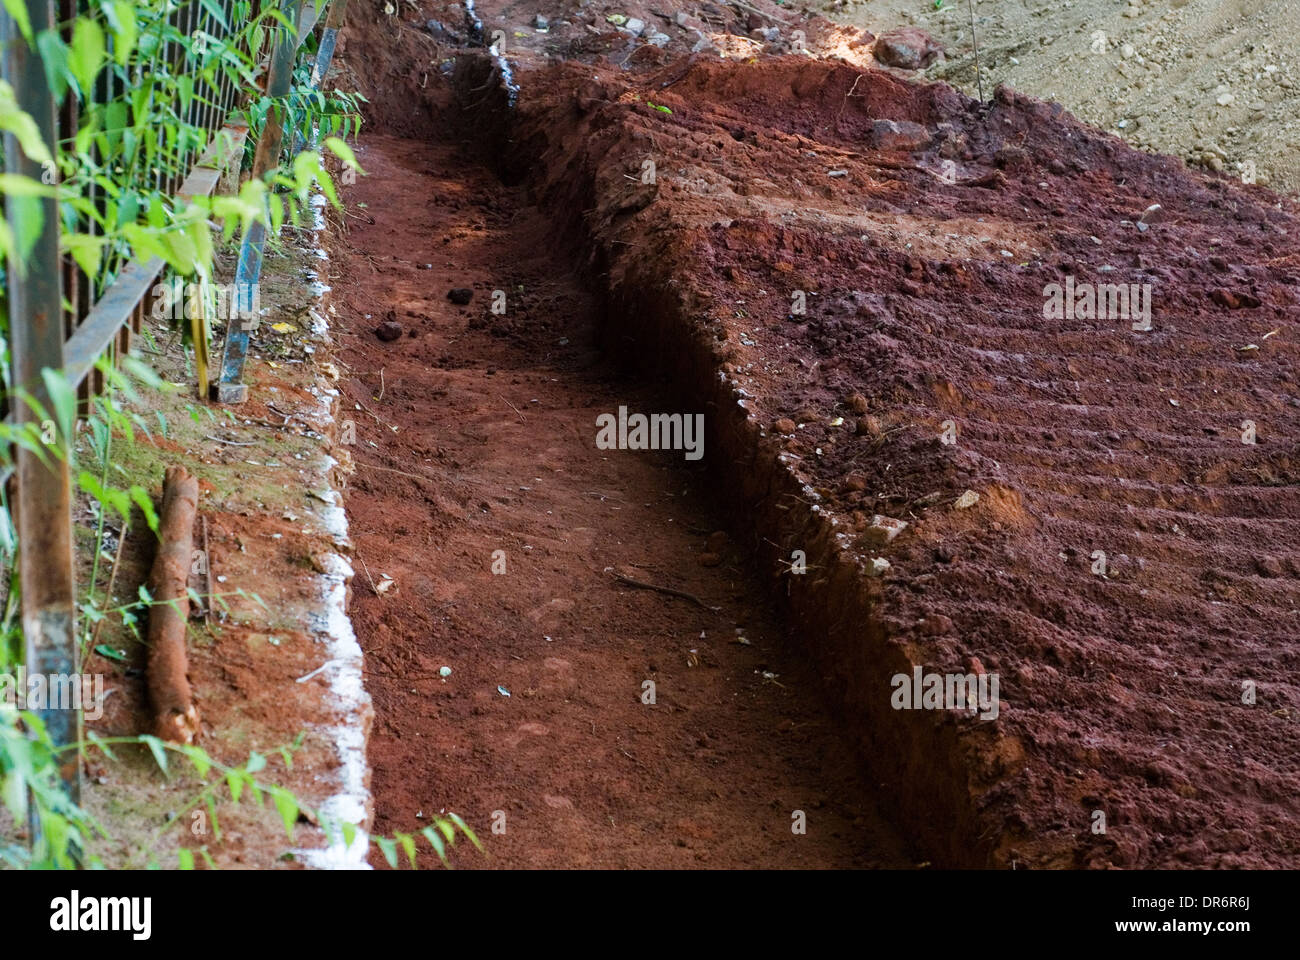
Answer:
(114, 308)
(137, 279)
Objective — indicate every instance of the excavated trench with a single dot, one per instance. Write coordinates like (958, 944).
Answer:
(845, 274)
(586, 720)
(928, 776)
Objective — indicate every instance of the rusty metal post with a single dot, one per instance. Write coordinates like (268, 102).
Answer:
(230, 386)
(44, 508)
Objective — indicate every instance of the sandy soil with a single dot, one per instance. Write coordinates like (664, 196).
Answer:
(1216, 82)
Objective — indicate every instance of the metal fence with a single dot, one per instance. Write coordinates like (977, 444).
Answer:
(62, 319)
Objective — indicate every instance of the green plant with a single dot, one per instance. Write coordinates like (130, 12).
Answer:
(137, 83)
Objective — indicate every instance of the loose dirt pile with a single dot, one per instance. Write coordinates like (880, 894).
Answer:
(849, 272)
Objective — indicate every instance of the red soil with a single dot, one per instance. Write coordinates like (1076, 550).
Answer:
(496, 415)
(925, 265)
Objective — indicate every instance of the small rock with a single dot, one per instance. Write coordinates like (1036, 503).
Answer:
(857, 403)
(869, 425)
(541, 23)
(388, 331)
(634, 26)
(460, 296)
(709, 559)
(935, 625)
(784, 426)
(1152, 214)
(884, 529)
(879, 567)
(909, 48)
(1268, 566)
(897, 135)
(659, 39)
(966, 500)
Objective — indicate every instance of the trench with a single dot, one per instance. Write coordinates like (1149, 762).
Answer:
(522, 674)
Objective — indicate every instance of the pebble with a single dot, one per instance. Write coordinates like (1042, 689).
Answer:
(460, 296)
(884, 529)
(388, 331)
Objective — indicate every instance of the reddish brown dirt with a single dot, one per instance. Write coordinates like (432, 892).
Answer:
(1120, 693)
(495, 416)
(925, 264)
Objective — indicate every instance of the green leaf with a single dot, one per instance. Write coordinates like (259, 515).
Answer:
(86, 54)
(125, 31)
(212, 818)
(464, 828)
(389, 849)
(27, 216)
(18, 10)
(141, 498)
(408, 845)
(199, 757)
(86, 251)
(447, 829)
(235, 781)
(435, 841)
(157, 749)
(288, 807)
(99, 741)
(185, 858)
(119, 500)
(64, 398)
(344, 153)
(108, 653)
(16, 185)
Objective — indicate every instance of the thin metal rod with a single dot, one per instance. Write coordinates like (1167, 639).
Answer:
(979, 80)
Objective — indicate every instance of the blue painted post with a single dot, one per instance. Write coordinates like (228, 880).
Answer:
(230, 386)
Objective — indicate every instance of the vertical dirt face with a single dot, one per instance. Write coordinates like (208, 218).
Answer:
(494, 450)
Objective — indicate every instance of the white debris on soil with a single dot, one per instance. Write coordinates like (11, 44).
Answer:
(351, 801)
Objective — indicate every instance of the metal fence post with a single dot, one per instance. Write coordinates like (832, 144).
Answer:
(44, 507)
(325, 52)
(230, 386)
